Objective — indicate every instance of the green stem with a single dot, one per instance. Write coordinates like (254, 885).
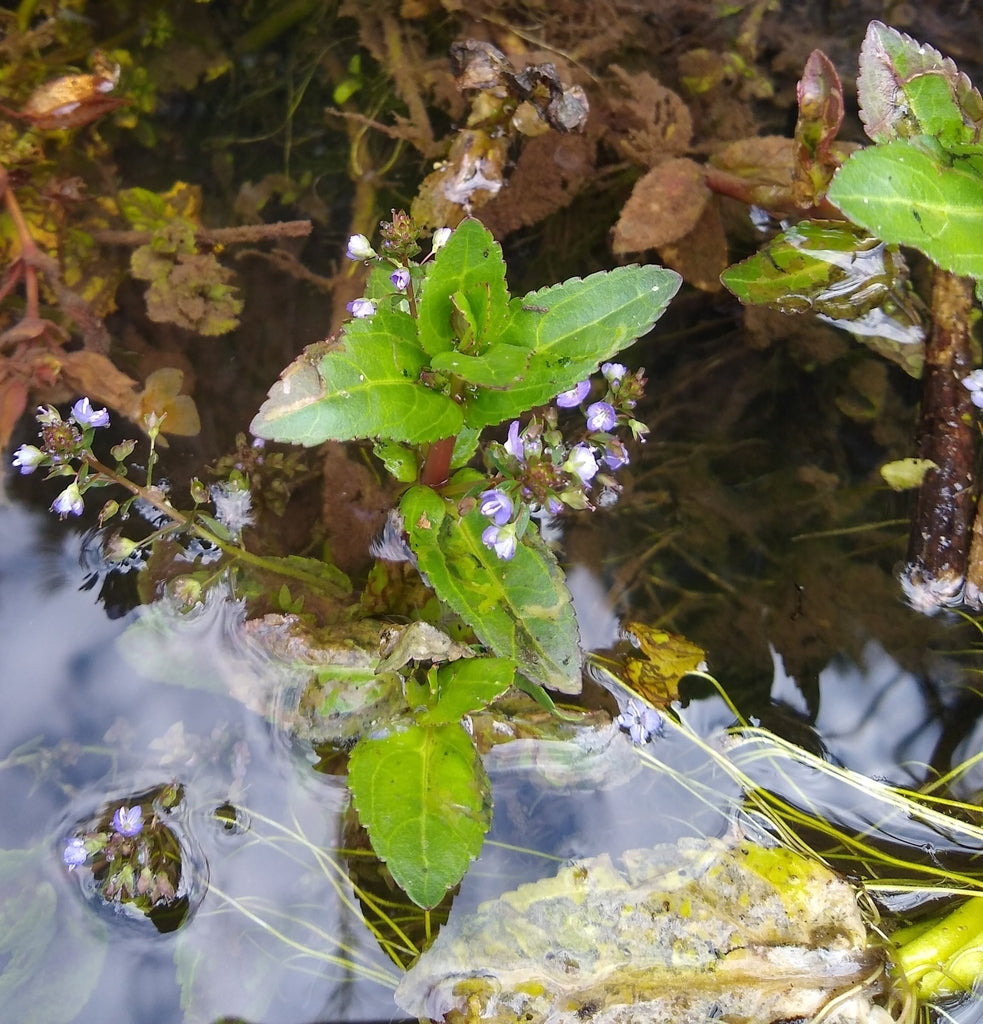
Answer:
(187, 521)
(948, 957)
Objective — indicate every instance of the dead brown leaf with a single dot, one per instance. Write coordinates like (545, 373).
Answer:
(648, 123)
(700, 256)
(665, 205)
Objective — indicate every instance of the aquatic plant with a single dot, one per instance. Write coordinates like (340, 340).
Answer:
(436, 352)
(920, 185)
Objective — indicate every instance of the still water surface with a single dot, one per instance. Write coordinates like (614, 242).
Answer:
(83, 725)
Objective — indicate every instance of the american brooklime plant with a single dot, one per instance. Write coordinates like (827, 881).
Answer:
(444, 372)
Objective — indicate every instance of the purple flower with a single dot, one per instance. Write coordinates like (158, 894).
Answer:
(27, 458)
(497, 505)
(640, 721)
(359, 248)
(400, 279)
(615, 456)
(128, 821)
(601, 416)
(69, 502)
(501, 540)
(514, 445)
(74, 855)
(581, 462)
(613, 372)
(974, 385)
(573, 397)
(361, 308)
(85, 416)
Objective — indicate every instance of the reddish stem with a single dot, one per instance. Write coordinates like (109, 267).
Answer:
(28, 250)
(436, 467)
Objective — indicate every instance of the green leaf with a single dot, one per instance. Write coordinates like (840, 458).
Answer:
(902, 474)
(902, 194)
(519, 609)
(906, 88)
(51, 960)
(468, 273)
(465, 686)
(425, 800)
(400, 461)
(498, 367)
(569, 329)
(365, 385)
(843, 275)
(315, 573)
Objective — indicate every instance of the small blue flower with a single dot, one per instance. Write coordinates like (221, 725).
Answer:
(69, 502)
(27, 458)
(572, 398)
(400, 279)
(85, 416)
(359, 248)
(582, 463)
(361, 308)
(615, 456)
(128, 821)
(74, 855)
(501, 540)
(640, 722)
(601, 416)
(439, 239)
(497, 505)
(613, 372)
(974, 385)
(514, 445)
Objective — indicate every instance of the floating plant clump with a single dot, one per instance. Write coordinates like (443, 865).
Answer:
(136, 857)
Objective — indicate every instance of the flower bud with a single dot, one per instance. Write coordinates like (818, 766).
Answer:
(359, 248)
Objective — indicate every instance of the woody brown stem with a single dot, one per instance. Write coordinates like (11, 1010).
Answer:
(246, 234)
(938, 547)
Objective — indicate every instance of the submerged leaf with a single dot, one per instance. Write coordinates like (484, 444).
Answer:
(843, 275)
(664, 206)
(682, 933)
(34, 936)
(902, 474)
(424, 798)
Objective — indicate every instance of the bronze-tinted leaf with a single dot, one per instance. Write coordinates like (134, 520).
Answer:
(71, 101)
(664, 206)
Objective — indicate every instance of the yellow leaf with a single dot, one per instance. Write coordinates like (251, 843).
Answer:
(666, 658)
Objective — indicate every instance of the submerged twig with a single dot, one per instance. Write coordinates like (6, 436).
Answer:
(938, 547)
(242, 235)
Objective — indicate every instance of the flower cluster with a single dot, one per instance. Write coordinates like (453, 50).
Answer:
(63, 442)
(132, 860)
(537, 471)
(66, 450)
(640, 721)
(399, 246)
